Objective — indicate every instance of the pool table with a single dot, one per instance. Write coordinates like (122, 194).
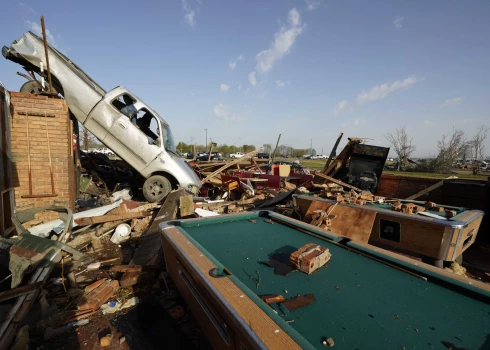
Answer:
(435, 239)
(366, 297)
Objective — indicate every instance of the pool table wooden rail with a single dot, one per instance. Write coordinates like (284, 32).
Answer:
(232, 318)
(227, 315)
(436, 240)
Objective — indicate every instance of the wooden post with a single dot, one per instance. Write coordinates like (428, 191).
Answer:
(275, 149)
(47, 56)
(332, 153)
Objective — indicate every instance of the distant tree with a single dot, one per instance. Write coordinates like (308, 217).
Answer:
(450, 147)
(88, 139)
(267, 148)
(401, 142)
(248, 148)
(478, 143)
(183, 147)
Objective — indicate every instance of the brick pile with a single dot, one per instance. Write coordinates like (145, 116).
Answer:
(60, 140)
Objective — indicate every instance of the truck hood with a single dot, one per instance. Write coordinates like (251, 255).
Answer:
(192, 174)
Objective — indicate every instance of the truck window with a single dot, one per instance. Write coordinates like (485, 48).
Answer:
(148, 124)
(125, 104)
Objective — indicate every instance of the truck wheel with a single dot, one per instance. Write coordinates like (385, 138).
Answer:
(31, 87)
(156, 188)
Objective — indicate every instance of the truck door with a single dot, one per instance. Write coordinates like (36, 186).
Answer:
(136, 137)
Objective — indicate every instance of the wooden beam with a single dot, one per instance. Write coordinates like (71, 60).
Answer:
(427, 190)
(333, 152)
(335, 181)
(135, 268)
(186, 206)
(226, 166)
(17, 292)
(111, 217)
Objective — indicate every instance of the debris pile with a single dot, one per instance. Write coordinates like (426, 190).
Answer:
(89, 267)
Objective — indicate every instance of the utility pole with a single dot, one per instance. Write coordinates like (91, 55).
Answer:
(206, 138)
(311, 147)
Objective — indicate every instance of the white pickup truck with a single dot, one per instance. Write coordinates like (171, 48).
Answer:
(118, 118)
(237, 155)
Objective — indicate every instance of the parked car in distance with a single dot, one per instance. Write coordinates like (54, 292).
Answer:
(236, 155)
(105, 151)
(205, 156)
(263, 155)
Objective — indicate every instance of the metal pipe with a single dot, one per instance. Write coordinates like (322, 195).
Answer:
(47, 56)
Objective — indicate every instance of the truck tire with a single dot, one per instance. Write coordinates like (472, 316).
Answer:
(156, 188)
(31, 87)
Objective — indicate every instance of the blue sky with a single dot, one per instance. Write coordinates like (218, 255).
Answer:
(308, 69)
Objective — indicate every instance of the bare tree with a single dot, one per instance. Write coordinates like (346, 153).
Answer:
(478, 142)
(451, 147)
(87, 138)
(267, 148)
(478, 147)
(402, 144)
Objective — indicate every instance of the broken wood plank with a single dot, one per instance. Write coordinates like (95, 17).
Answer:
(335, 181)
(186, 206)
(150, 241)
(226, 166)
(135, 268)
(111, 217)
(427, 190)
(17, 292)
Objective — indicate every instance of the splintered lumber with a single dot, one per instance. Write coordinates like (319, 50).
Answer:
(427, 190)
(335, 181)
(186, 206)
(332, 153)
(17, 292)
(111, 217)
(226, 166)
(134, 268)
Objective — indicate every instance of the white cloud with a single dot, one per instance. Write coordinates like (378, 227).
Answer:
(312, 4)
(224, 87)
(428, 122)
(232, 63)
(222, 111)
(281, 84)
(354, 123)
(28, 8)
(341, 106)
(453, 101)
(381, 91)
(36, 28)
(283, 41)
(377, 92)
(252, 79)
(189, 13)
(398, 22)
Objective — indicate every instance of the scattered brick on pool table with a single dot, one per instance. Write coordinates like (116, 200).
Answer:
(310, 257)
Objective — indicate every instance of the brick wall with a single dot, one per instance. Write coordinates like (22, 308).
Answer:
(60, 141)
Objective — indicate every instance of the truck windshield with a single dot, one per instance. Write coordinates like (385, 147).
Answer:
(168, 139)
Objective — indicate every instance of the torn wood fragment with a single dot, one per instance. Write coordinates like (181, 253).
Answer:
(111, 217)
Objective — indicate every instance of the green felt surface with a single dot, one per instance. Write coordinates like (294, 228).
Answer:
(361, 303)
